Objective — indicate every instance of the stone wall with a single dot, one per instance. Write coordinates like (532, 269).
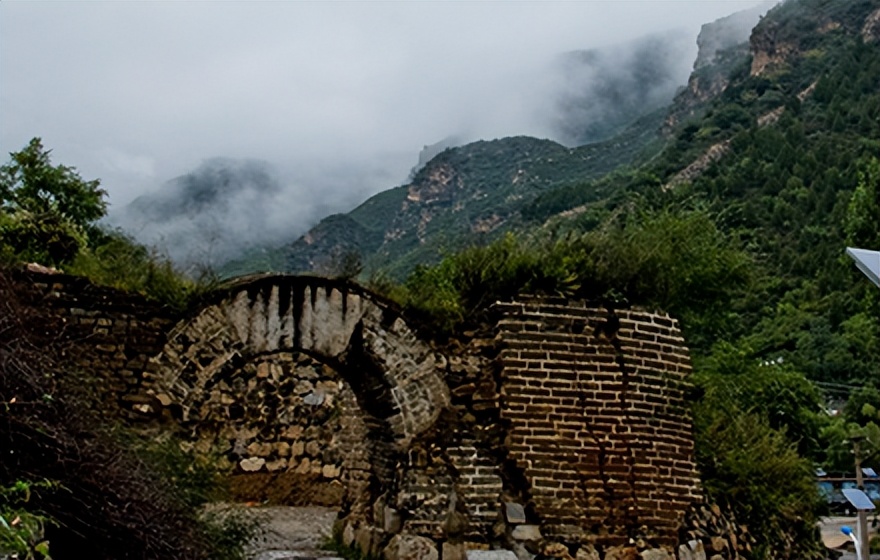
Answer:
(104, 331)
(288, 426)
(561, 425)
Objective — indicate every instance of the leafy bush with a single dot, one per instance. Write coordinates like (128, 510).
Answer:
(756, 472)
(22, 533)
(464, 285)
(46, 211)
(676, 261)
(119, 262)
(759, 428)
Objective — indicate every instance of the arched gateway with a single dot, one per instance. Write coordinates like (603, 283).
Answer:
(396, 378)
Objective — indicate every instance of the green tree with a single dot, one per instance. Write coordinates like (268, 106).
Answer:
(780, 395)
(864, 208)
(46, 212)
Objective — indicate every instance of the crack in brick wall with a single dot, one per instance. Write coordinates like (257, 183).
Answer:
(596, 405)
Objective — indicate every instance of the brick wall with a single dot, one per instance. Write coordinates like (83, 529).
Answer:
(104, 331)
(576, 412)
(595, 401)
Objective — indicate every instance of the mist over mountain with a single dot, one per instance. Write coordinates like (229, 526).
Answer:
(604, 90)
(227, 207)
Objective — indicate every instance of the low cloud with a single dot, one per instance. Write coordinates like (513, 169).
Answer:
(338, 96)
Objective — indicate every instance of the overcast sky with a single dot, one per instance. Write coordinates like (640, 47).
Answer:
(136, 93)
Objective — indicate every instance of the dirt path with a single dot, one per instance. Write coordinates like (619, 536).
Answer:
(289, 532)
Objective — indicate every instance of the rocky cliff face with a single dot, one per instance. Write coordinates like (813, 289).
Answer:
(795, 27)
(722, 45)
(477, 189)
(727, 33)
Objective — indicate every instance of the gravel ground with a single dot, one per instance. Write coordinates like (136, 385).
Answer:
(288, 532)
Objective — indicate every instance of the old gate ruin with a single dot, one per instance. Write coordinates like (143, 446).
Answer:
(559, 422)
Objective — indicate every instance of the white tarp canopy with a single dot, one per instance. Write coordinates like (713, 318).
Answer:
(868, 262)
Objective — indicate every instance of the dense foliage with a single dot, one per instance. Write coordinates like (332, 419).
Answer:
(748, 254)
(70, 483)
(676, 260)
(50, 215)
(46, 211)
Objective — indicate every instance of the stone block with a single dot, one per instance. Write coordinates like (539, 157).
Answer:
(409, 547)
(292, 432)
(453, 551)
(656, 554)
(693, 550)
(252, 464)
(514, 513)
(391, 520)
(527, 533)
(304, 466)
(622, 553)
(348, 535)
(276, 465)
(313, 449)
(587, 552)
(366, 540)
(491, 555)
(557, 550)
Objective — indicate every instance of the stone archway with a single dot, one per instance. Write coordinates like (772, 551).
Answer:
(259, 330)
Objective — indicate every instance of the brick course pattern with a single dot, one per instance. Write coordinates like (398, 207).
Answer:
(578, 413)
(598, 419)
(109, 333)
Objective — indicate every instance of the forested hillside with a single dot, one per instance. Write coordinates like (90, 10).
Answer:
(730, 210)
(736, 222)
(775, 139)
(786, 162)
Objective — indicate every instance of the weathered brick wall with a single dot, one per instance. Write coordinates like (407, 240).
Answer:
(579, 414)
(284, 422)
(598, 420)
(104, 331)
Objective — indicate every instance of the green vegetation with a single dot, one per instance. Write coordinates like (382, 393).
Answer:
(748, 255)
(676, 260)
(69, 481)
(119, 262)
(46, 212)
(49, 215)
(22, 533)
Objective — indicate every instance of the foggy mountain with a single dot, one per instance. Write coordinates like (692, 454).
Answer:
(228, 207)
(604, 90)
